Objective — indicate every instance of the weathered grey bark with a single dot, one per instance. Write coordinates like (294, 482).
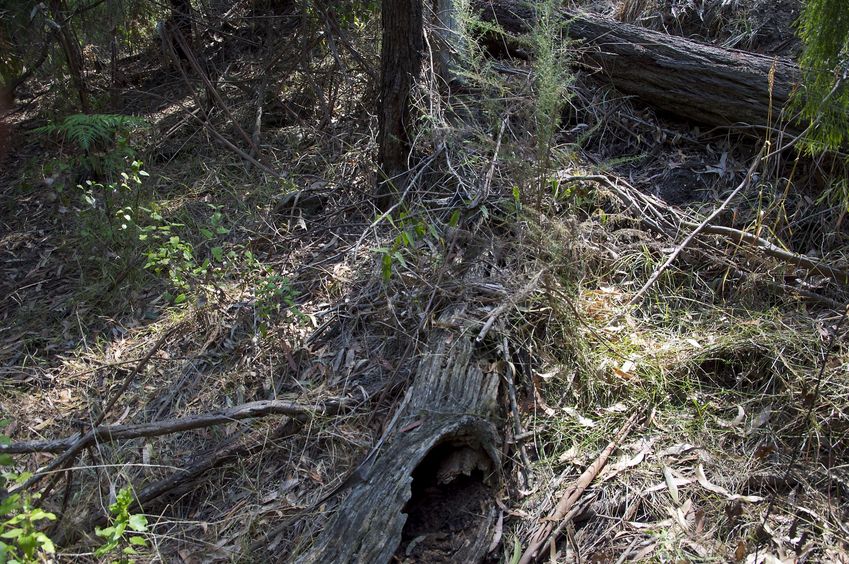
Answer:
(449, 30)
(451, 404)
(693, 80)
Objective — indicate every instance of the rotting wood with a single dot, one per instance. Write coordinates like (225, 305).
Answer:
(450, 408)
(693, 80)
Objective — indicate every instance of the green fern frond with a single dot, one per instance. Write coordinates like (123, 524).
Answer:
(88, 131)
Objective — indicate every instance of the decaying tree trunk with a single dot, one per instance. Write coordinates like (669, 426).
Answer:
(440, 457)
(693, 80)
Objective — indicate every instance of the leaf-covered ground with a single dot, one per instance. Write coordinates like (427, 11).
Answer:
(215, 281)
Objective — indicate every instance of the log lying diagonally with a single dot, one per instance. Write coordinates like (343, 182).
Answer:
(444, 427)
(700, 82)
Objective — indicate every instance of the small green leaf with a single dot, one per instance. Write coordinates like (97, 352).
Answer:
(45, 542)
(138, 523)
(217, 253)
(455, 219)
(104, 532)
(138, 541)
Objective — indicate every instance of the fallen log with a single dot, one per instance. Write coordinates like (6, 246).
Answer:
(699, 82)
(428, 492)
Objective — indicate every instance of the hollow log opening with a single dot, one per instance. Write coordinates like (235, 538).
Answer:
(449, 514)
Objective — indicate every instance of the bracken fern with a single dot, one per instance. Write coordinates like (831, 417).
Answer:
(89, 131)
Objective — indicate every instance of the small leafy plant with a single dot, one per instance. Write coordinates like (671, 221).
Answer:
(412, 230)
(111, 193)
(93, 145)
(126, 533)
(21, 540)
(272, 293)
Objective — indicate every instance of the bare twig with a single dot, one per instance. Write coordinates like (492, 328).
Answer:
(181, 41)
(487, 182)
(514, 409)
(659, 220)
(498, 311)
(132, 375)
(777, 252)
(638, 297)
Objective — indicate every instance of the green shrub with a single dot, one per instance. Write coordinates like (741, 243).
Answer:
(824, 29)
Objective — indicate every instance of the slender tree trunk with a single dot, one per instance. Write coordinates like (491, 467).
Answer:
(181, 11)
(114, 92)
(402, 41)
(73, 55)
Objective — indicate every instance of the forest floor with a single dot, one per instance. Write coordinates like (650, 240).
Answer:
(214, 281)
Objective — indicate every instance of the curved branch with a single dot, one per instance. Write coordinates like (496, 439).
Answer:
(112, 433)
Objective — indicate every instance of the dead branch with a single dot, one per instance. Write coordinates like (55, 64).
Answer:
(638, 297)
(240, 446)
(657, 216)
(114, 433)
(518, 431)
(776, 252)
(566, 509)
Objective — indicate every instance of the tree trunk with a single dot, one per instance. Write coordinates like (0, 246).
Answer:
(402, 40)
(428, 494)
(73, 55)
(692, 80)
(181, 15)
(451, 48)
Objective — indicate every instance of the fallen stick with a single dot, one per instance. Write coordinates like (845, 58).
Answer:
(638, 297)
(776, 252)
(74, 448)
(113, 433)
(181, 479)
(514, 410)
(566, 509)
(132, 375)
